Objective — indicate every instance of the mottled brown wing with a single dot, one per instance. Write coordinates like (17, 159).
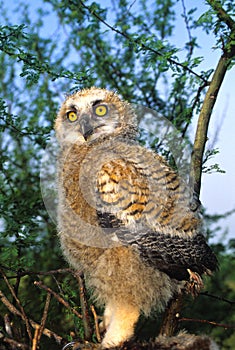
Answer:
(152, 215)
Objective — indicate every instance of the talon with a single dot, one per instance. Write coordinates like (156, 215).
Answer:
(195, 283)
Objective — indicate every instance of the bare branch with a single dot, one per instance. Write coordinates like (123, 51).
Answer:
(16, 312)
(58, 297)
(9, 305)
(19, 304)
(203, 123)
(84, 307)
(218, 298)
(39, 273)
(44, 316)
(170, 318)
(207, 322)
(14, 344)
(97, 329)
(35, 338)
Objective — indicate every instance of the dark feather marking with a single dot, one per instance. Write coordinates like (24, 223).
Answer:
(108, 220)
(172, 255)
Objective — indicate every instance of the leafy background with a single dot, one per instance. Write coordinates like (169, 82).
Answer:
(62, 46)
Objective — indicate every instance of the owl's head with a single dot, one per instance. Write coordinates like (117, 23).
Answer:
(93, 113)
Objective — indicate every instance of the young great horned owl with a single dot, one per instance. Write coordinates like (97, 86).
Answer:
(123, 213)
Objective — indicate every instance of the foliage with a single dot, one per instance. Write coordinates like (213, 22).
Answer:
(126, 47)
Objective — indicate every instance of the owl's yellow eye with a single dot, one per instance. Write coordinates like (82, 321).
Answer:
(72, 116)
(100, 110)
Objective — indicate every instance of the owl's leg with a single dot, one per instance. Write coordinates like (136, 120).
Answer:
(121, 319)
(106, 318)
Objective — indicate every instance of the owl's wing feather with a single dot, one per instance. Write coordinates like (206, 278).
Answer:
(153, 217)
(173, 255)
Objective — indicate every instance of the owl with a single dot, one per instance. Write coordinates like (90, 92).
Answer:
(124, 217)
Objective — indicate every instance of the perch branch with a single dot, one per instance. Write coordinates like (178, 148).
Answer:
(170, 318)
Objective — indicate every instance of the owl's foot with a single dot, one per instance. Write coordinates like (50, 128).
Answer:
(195, 283)
(119, 321)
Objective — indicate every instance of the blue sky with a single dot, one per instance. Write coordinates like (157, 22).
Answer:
(218, 190)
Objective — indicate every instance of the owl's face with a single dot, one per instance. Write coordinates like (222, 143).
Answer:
(93, 113)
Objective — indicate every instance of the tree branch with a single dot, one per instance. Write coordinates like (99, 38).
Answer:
(231, 302)
(34, 324)
(58, 297)
(207, 322)
(83, 303)
(19, 304)
(203, 123)
(211, 96)
(139, 42)
(44, 316)
(222, 14)
(170, 319)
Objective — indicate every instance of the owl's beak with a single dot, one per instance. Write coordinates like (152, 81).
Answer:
(85, 126)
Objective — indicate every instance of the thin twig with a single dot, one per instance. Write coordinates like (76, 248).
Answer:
(207, 322)
(9, 305)
(15, 311)
(187, 27)
(35, 338)
(139, 42)
(19, 304)
(96, 320)
(14, 344)
(58, 297)
(44, 315)
(218, 298)
(84, 307)
(32, 273)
